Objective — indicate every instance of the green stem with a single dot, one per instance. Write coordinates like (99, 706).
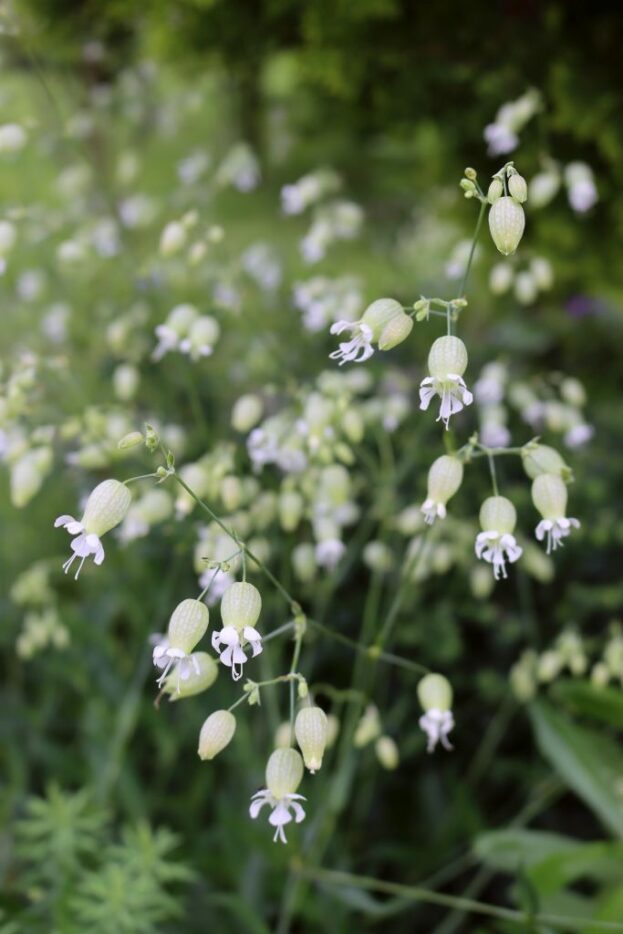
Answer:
(373, 651)
(494, 480)
(469, 905)
(481, 215)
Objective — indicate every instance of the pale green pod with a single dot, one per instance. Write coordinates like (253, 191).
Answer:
(506, 223)
(310, 729)
(241, 605)
(549, 495)
(543, 459)
(106, 507)
(216, 733)
(495, 191)
(497, 514)
(395, 331)
(444, 478)
(435, 693)
(188, 625)
(291, 505)
(448, 355)
(196, 682)
(378, 315)
(173, 238)
(246, 413)
(518, 188)
(284, 772)
(387, 753)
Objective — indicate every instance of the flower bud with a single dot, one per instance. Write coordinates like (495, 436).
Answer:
(196, 681)
(495, 191)
(549, 495)
(216, 733)
(448, 355)
(304, 562)
(387, 753)
(241, 605)
(188, 625)
(173, 238)
(246, 413)
(542, 272)
(291, 506)
(333, 728)
(395, 331)
(368, 728)
(378, 557)
(501, 278)
(284, 771)
(541, 458)
(497, 514)
(131, 440)
(27, 475)
(573, 392)
(518, 188)
(106, 507)
(310, 728)
(125, 380)
(506, 223)
(283, 735)
(543, 187)
(444, 478)
(434, 693)
(378, 315)
(526, 289)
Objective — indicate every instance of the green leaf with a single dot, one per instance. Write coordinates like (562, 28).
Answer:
(600, 861)
(582, 697)
(590, 764)
(508, 850)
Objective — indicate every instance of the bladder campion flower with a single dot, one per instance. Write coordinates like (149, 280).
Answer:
(284, 772)
(447, 361)
(435, 695)
(444, 478)
(240, 608)
(506, 223)
(549, 495)
(369, 330)
(187, 626)
(106, 508)
(496, 543)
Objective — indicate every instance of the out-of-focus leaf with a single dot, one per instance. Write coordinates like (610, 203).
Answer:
(601, 861)
(610, 909)
(591, 765)
(582, 697)
(508, 850)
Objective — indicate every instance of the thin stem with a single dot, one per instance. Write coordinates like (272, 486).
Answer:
(481, 215)
(494, 481)
(143, 476)
(298, 642)
(294, 606)
(279, 631)
(371, 651)
(415, 893)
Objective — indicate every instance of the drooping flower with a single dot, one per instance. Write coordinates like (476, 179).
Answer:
(447, 361)
(496, 543)
(506, 223)
(106, 507)
(240, 609)
(284, 772)
(370, 330)
(444, 479)
(549, 495)
(435, 695)
(310, 729)
(216, 733)
(187, 626)
(174, 330)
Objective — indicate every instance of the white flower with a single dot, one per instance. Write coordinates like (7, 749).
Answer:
(84, 545)
(358, 348)
(433, 510)
(497, 549)
(447, 362)
(556, 530)
(437, 724)
(187, 625)
(105, 508)
(167, 658)
(218, 580)
(500, 139)
(329, 552)
(231, 643)
(549, 494)
(280, 815)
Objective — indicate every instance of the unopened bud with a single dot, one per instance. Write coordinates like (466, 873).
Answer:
(246, 413)
(172, 239)
(395, 331)
(387, 753)
(216, 733)
(131, 440)
(517, 187)
(368, 728)
(495, 191)
(291, 506)
(506, 223)
(540, 458)
(310, 728)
